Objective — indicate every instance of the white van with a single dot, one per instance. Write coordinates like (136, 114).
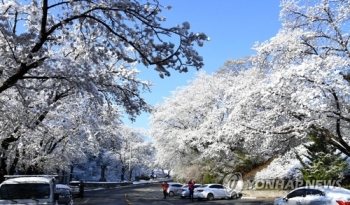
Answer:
(28, 189)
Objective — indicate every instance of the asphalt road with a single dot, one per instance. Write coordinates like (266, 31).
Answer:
(151, 194)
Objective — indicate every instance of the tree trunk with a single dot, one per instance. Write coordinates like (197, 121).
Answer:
(168, 175)
(71, 172)
(33, 170)
(103, 169)
(122, 175)
(3, 170)
(130, 174)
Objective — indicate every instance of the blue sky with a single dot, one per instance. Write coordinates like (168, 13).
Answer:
(233, 27)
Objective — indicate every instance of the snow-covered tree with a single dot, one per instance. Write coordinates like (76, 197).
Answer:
(64, 139)
(308, 64)
(307, 85)
(285, 166)
(178, 128)
(135, 154)
(108, 155)
(59, 55)
(81, 41)
(203, 122)
(298, 81)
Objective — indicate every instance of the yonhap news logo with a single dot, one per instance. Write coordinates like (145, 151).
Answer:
(234, 182)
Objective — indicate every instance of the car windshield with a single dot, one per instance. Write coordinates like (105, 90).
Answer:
(63, 191)
(74, 184)
(25, 191)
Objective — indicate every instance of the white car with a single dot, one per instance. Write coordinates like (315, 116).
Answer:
(173, 188)
(215, 191)
(65, 194)
(74, 187)
(184, 191)
(316, 195)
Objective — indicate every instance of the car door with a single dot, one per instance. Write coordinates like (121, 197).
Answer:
(213, 189)
(220, 191)
(176, 187)
(295, 197)
(225, 192)
(313, 197)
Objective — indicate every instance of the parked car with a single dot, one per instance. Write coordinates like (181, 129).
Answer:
(184, 191)
(173, 188)
(74, 186)
(215, 191)
(316, 195)
(65, 194)
(28, 189)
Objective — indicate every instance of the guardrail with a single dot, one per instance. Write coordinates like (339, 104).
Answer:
(106, 185)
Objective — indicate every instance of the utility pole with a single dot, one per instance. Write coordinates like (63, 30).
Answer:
(130, 162)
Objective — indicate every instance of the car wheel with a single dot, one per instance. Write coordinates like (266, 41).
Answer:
(210, 197)
(239, 195)
(234, 196)
(171, 193)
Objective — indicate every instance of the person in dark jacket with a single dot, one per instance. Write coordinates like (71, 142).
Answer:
(191, 188)
(81, 189)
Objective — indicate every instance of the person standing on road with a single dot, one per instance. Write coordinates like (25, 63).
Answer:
(165, 187)
(81, 189)
(191, 188)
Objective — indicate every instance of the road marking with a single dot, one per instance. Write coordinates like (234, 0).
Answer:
(84, 201)
(126, 198)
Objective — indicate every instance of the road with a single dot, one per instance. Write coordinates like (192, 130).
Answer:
(151, 194)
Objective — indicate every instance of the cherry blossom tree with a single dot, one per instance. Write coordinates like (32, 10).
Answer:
(176, 124)
(309, 65)
(93, 45)
(60, 55)
(63, 139)
(297, 82)
(202, 123)
(134, 152)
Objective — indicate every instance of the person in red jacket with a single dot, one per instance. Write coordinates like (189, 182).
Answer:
(165, 187)
(191, 188)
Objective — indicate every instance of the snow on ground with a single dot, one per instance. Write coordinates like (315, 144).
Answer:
(283, 167)
(152, 181)
(144, 181)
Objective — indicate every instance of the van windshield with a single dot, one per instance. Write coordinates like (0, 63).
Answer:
(25, 191)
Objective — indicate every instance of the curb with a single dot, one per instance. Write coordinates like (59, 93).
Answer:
(249, 197)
